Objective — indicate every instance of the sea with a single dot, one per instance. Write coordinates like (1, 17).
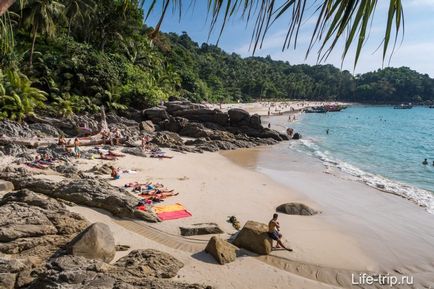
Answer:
(380, 146)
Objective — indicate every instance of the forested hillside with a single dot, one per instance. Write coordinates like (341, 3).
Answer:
(74, 55)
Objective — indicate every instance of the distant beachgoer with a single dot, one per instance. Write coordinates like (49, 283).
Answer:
(433, 163)
(425, 162)
(77, 148)
(274, 233)
(269, 125)
(117, 136)
(61, 142)
(115, 173)
(327, 131)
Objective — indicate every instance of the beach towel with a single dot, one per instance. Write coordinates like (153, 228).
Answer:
(174, 215)
(168, 208)
(171, 212)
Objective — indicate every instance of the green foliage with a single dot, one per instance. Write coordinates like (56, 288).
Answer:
(18, 98)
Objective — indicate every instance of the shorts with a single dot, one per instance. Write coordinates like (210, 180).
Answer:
(274, 235)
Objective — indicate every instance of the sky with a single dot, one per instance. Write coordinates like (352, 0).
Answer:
(415, 48)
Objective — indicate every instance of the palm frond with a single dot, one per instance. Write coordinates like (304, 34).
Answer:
(335, 20)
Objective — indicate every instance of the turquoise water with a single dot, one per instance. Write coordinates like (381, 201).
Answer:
(382, 146)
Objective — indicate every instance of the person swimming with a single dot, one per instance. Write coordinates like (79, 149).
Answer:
(425, 162)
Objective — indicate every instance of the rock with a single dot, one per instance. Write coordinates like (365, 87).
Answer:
(237, 116)
(88, 192)
(135, 151)
(101, 170)
(6, 186)
(255, 121)
(155, 114)
(96, 242)
(296, 209)
(66, 169)
(195, 130)
(174, 124)
(254, 237)
(137, 270)
(296, 136)
(32, 228)
(147, 126)
(122, 248)
(223, 251)
(203, 115)
(15, 129)
(168, 139)
(200, 229)
(15, 150)
(150, 263)
(175, 106)
(15, 273)
(44, 129)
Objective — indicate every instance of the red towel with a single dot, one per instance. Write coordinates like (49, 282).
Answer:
(174, 215)
(141, 208)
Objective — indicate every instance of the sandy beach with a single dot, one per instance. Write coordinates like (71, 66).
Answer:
(348, 236)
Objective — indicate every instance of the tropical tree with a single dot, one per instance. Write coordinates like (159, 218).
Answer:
(41, 17)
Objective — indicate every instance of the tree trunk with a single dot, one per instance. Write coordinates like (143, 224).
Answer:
(35, 33)
(4, 5)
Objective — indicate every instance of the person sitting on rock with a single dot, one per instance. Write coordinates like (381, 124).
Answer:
(274, 233)
(117, 136)
(61, 142)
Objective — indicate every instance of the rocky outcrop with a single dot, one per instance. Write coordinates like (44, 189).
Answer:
(88, 192)
(32, 228)
(254, 237)
(141, 269)
(223, 251)
(96, 242)
(200, 229)
(155, 114)
(296, 209)
(44, 129)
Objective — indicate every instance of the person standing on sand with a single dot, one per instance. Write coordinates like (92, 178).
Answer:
(77, 148)
(274, 233)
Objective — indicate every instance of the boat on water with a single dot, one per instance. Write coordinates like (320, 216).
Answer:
(403, 106)
(318, 109)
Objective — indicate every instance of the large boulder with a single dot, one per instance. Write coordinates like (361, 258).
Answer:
(195, 130)
(175, 106)
(296, 209)
(204, 115)
(238, 115)
(254, 237)
(44, 129)
(15, 273)
(223, 251)
(96, 242)
(173, 124)
(155, 114)
(255, 121)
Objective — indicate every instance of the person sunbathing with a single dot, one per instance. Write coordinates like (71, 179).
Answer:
(107, 157)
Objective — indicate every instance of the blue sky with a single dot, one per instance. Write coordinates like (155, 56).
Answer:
(415, 51)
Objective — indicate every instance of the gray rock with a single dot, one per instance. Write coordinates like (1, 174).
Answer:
(135, 151)
(223, 251)
(200, 229)
(155, 114)
(254, 237)
(296, 209)
(96, 242)
(237, 116)
(44, 129)
(296, 136)
(13, 150)
(174, 124)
